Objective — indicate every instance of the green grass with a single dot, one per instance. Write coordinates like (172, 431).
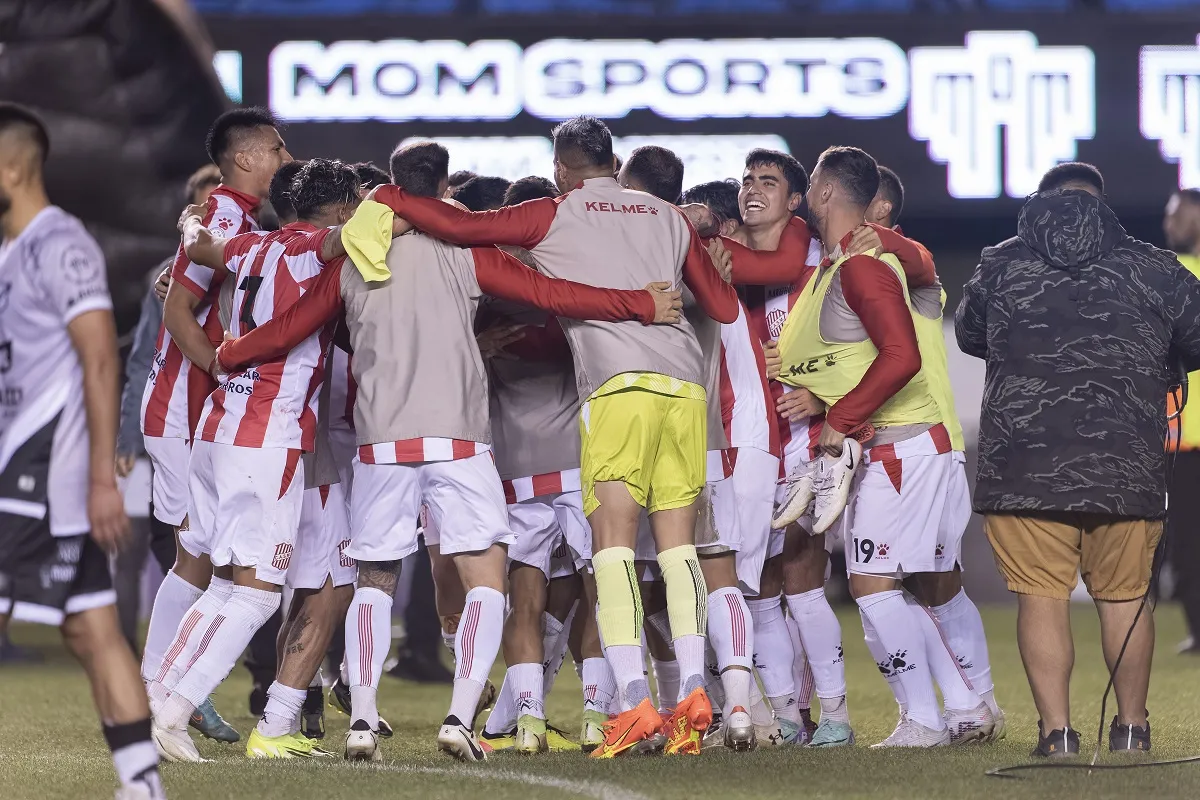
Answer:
(50, 746)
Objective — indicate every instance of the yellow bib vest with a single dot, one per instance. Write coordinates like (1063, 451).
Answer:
(1191, 412)
(931, 338)
(831, 369)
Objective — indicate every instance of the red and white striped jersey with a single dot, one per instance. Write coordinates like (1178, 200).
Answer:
(519, 490)
(747, 410)
(415, 451)
(342, 391)
(165, 399)
(768, 308)
(275, 403)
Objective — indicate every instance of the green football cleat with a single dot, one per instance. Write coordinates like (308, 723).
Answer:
(292, 745)
(832, 734)
(206, 720)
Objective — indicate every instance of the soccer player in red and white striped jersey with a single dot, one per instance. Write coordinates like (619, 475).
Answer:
(246, 477)
(247, 148)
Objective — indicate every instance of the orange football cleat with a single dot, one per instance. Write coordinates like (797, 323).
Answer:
(626, 729)
(686, 726)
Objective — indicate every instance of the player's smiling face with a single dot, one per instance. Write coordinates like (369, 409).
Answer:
(764, 198)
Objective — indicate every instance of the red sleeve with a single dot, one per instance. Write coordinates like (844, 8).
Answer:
(783, 265)
(503, 276)
(321, 304)
(874, 293)
(523, 225)
(916, 261)
(717, 298)
(310, 242)
(542, 343)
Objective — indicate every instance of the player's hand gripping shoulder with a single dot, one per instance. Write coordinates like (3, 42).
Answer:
(865, 240)
(722, 259)
(668, 303)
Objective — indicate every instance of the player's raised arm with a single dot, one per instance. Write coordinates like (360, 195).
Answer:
(522, 225)
(783, 265)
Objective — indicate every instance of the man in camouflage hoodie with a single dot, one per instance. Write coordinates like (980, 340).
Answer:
(1083, 329)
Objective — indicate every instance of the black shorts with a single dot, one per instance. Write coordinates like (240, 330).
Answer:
(43, 578)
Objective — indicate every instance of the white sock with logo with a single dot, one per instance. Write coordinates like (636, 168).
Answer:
(599, 685)
(957, 691)
(731, 634)
(527, 690)
(773, 655)
(475, 647)
(821, 634)
(192, 628)
(903, 641)
(880, 656)
(368, 639)
(963, 626)
(174, 599)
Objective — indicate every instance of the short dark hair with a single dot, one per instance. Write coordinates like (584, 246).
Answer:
(15, 115)
(482, 193)
(618, 162)
(721, 198)
(532, 187)
(586, 136)
(369, 175)
(854, 170)
(208, 175)
(788, 165)
(1071, 172)
(322, 182)
(227, 127)
(280, 193)
(420, 167)
(657, 170)
(892, 190)
(459, 177)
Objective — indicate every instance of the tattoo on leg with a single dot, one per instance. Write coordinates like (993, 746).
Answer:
(379, 575)
(294, 645)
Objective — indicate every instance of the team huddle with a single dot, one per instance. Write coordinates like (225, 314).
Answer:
(627, 419)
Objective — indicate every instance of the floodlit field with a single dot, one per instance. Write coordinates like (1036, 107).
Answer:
(50, 743)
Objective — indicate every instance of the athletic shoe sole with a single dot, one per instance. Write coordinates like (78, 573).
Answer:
(458, 743)
(362, 746)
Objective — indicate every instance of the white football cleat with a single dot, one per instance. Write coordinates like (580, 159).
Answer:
(799, 494)
(174, 744)
(974, 725)
(914, 734)
(831, 482)
(362, 743)
(458, 740)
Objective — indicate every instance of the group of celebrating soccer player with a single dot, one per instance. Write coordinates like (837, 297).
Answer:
(628, 419)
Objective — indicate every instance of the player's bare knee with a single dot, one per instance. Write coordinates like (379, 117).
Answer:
(380, 575)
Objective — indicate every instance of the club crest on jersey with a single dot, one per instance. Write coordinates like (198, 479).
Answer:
(283, 556)
(343, 559)
(775, 320)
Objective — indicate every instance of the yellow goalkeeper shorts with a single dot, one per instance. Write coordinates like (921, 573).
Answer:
(647, 431)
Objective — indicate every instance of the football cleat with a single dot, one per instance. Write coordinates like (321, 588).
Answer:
(831, 482)
(362, 743)
(339, 701)
(627, 729)
(558, 741)
(174, 744)
(739, 731)
(457, 740)
(687, 725)
(293, 745)
(210, 724)
(798, 496)
(530, 738)
(591, 734)
(312, 719)
(913, 734)
(655, 742)
(832, 734)
(975, 725)
(497, 742)
(1001, 729)
(793, 732)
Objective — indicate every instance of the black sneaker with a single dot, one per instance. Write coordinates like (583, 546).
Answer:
(312, 721)
(1128, 738)
(1060, 743)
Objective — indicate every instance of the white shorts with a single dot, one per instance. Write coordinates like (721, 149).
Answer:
(908, 508)
(321, 540)
(169, 486)
(464, 499)
(245, 507)
(751, 496)
(542, 523)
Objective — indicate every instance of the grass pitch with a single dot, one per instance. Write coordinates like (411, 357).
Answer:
(50, 743)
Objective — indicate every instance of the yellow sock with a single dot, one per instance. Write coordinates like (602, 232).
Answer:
(617, 594)
(687, 596)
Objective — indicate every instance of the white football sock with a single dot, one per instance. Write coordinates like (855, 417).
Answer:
(689, 652)
(628, 670)
(963, 627)
(802, 675)
(599, 686)
(666, 681)
(957, 691)
(174, 599)
(246, 611)
(731, 634)
(282, 713)
(527, 689)
(192, 627)
(736, 682)
(821, 634)
(773, 654)
(368, 639)
(760, 712)
(475, 647)
(903, 641)
(555, 638)
(503, 717)
(880, 656)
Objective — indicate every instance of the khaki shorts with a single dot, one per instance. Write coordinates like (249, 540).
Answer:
(1043, 554)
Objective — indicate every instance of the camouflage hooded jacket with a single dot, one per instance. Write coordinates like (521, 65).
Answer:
(1083, 329)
